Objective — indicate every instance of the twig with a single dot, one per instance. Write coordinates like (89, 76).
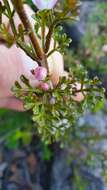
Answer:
(18, 5)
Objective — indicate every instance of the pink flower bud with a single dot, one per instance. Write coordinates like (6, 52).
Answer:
(52, 101)
(40, 73)
(44, 4)
(44, 86)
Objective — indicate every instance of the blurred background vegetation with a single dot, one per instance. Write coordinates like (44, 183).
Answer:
(86, 154)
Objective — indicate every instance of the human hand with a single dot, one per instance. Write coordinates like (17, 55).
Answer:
(14, 62)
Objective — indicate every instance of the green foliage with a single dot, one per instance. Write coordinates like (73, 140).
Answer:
(90, 51)
(8, 38)
(31, 4)
(13, 127)
(46, 152)
(62, 39)
(86, 138)
(56, 111)
(79, 181)
(54, 120)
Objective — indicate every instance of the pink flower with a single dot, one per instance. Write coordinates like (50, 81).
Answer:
(44, 86)
(45, 4)
(40, 73)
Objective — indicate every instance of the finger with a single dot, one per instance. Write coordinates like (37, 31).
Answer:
(13, 64)
(11, 103)
(55, 61)
(56, 67)
(78, 96)
(10, 69)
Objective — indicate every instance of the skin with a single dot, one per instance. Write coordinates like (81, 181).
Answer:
(14, 62)
(11, 67)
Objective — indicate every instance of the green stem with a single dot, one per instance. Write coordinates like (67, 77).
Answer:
(0, 13)
(52, 51)
(48, 38)
(26, 50)
(18, 42)
(10, 15)
(53, 25)
(35, 90)
(13, 25)
(44, 62)
(43, 32)
(86, 90)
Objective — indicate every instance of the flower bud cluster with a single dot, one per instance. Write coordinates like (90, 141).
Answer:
(40, 74)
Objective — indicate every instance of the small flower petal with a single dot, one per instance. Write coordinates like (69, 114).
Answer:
(40, 73)
(45, 4)
(44, 86)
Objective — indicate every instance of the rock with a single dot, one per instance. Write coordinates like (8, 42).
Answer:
(3, 166)
(77, 30)
(37, 187)
(32, 163)
(94, 183)
(61, 173)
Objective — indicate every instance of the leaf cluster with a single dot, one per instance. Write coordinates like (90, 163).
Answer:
(55, 111)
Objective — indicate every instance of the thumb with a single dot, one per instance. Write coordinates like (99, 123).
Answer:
(56, 67)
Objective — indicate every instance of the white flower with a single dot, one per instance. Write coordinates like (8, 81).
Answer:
(45, 4)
